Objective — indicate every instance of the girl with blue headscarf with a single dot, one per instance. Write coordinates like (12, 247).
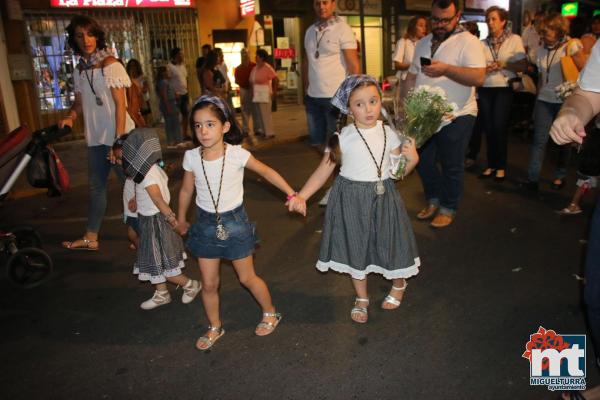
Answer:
(366, 226)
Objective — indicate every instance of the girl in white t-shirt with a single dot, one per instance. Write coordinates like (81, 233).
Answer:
(366, 226)
(160, 251)
(215, 169)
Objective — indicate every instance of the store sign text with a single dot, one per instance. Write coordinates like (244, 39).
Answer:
(119, 3)
(285, 53)
(247, 7)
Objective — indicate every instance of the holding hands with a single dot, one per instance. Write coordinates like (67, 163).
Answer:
(181, 227)
(567, 128)
(296, 203)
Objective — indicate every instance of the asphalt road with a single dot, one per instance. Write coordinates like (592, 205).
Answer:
(506, 266)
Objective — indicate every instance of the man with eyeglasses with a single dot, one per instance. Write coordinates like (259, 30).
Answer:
(452, 59)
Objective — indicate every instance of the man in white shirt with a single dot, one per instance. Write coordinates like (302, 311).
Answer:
(178, 74)
(569, 126)
(330, 54)
(452, 59)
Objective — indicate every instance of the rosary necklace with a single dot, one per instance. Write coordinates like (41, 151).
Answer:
(379, 187)
(222, 233)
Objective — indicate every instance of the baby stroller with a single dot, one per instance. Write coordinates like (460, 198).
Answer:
(27, 264)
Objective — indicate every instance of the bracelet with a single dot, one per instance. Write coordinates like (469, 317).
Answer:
(291, 196)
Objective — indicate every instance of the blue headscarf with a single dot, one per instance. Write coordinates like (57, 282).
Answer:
(342, 95)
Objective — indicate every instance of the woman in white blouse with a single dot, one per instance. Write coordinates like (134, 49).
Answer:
(505, 56)
(405, 50)
(100, 82)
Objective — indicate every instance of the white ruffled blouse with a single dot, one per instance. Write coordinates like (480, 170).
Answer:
(100, 120)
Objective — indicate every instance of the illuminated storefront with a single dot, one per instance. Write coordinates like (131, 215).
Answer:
(142, 29)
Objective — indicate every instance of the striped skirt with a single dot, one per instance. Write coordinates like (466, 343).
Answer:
(367, 233)
(160, 253)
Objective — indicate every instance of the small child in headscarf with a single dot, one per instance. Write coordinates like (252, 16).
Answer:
(160, 251)
(366, 227)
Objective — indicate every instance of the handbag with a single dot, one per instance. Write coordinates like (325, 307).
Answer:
(567, 64)
(42, 171)
(262, 93)
(62, 175)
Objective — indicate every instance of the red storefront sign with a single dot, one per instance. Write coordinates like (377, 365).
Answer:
(247, 7)
(284, 53)
(119, 3)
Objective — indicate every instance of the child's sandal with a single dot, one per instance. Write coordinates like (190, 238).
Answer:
(389, 299)
(358, 313)
(268, 326)
(207, 341)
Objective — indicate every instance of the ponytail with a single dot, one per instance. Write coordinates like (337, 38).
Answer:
(335, 155)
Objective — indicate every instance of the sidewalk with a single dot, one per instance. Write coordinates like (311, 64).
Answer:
(289, 121)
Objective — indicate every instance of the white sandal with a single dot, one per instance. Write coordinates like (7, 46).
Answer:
(269, 326)
(207, 340)
(360, 310)
(391, 299)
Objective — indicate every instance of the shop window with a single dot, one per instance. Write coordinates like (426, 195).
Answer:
(232, 58)
(53, 67)
(372, 49)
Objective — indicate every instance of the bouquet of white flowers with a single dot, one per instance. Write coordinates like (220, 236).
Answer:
(565, 89)
(426, 108)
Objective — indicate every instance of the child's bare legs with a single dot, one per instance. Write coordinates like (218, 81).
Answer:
(133, 237)
(244, 268)
(360, 286)
(180, 280)
(209, 270)
(396, 292)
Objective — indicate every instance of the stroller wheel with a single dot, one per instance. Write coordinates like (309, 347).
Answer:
(26, 237)
(28, 267)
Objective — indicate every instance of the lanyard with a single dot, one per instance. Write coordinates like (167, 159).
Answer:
(91, 83)
(495, 53)
(318, 40)
(549, 63)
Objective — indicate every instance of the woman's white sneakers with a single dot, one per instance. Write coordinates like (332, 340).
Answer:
(190, 291)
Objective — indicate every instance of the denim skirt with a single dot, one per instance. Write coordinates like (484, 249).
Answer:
(202, 237)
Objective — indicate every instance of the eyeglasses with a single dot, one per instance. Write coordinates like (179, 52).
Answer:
(442, 21)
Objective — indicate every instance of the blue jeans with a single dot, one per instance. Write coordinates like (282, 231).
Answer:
(172, 128)
(444, 186)
(592, 279)
(321, 117)
(98, 170)
(543, 116)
